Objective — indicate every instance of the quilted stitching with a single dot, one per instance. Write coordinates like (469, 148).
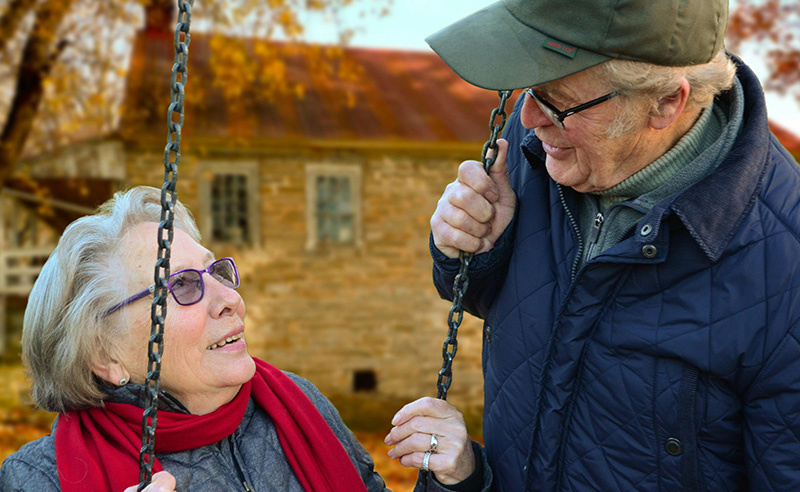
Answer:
(605, 398)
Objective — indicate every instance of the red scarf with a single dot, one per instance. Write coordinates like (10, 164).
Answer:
(98, 449)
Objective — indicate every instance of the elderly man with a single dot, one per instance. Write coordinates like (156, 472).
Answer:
(638, 252)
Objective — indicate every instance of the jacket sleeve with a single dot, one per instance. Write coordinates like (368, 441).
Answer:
(486, 273)
(24, 474)
(481, 481)
(772, 419)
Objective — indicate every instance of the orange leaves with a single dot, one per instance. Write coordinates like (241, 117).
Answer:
(772, 26)
(761, 20)
(288, 21)
(396, 476)
(233, 67)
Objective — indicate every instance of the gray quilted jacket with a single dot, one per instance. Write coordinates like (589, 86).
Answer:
(252, 454)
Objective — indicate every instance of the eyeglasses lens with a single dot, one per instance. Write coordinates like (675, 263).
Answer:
(186, 286)
(547, 110)
(224, 272)
(551, 115)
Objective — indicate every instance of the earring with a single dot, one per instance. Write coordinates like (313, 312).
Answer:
(123, 382)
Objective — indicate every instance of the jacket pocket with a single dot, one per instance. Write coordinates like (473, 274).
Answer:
(488, 328)
(687, 430)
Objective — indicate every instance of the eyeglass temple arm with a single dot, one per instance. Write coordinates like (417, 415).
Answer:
(132, 299)
(587, 105)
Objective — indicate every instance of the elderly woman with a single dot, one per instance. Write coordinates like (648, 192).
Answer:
(226, 421)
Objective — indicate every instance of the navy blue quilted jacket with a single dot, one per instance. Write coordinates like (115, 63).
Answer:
(671, 361)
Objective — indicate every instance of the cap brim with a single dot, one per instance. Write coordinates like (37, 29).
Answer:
(494, 50)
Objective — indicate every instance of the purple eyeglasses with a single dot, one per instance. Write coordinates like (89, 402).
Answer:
(187, 286)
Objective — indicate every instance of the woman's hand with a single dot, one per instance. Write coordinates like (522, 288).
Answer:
(162, 482)
(415, 423)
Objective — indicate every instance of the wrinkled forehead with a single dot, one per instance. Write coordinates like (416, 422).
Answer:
(138, 253)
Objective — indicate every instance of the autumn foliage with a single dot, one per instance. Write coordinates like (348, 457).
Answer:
(773, 27)
(64, 62)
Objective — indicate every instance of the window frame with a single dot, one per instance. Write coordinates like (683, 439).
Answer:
(207, 171)
(353, 173)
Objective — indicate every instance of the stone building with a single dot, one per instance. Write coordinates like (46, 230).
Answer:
(324, 199)
(322, 193)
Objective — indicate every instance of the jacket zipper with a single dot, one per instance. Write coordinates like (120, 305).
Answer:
(239, 471)
(597, 224)
(575, 229)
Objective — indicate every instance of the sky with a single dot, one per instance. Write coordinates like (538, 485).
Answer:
(410, 21)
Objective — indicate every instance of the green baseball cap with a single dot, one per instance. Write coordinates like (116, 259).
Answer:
(514, 44)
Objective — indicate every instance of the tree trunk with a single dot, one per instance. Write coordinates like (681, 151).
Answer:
(40, 52)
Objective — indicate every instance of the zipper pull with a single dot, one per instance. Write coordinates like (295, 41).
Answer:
(596, 225)
(247, 486)
(598, 220)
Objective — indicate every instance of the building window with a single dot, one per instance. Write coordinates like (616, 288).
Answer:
(334, 205)
(228, 197)
(335, 209)
(365, 380)
(230, 220)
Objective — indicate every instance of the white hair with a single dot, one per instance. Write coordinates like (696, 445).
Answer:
(644, 84)
(65, 328)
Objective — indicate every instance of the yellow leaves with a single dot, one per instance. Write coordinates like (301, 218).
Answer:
(273, 71)
(299, 91)
(396, 476)
(233, 67)
(287, 19)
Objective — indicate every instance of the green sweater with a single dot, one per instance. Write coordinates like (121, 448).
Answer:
(607, 216)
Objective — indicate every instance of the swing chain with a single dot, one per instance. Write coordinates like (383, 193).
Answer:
(158, 310)
(461, 282)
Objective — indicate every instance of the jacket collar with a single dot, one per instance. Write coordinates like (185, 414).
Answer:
(136, 394)
(713, 208)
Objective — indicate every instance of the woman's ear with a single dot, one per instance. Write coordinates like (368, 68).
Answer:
(670, 107)
(110, 370)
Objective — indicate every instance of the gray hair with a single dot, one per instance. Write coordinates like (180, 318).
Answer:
(65, 328)
(647, 83)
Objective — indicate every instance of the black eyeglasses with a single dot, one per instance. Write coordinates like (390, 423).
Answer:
(556, 116)
(187, 286)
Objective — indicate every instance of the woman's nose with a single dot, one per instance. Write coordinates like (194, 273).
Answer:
(224, 300)
(531, 115)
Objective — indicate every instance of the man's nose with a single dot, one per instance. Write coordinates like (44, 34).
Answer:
(532, 115)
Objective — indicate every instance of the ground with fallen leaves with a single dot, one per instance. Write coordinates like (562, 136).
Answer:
(20, 423)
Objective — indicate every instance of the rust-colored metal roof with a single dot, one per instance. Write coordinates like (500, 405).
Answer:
(397, 96)
(788, 139)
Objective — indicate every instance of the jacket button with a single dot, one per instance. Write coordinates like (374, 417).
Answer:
(646, 230)
(649, 251)
(674, 446)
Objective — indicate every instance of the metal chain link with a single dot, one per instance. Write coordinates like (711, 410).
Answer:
(158, 310)
(461, 282)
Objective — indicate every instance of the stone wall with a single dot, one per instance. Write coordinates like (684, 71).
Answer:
(333, 311)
